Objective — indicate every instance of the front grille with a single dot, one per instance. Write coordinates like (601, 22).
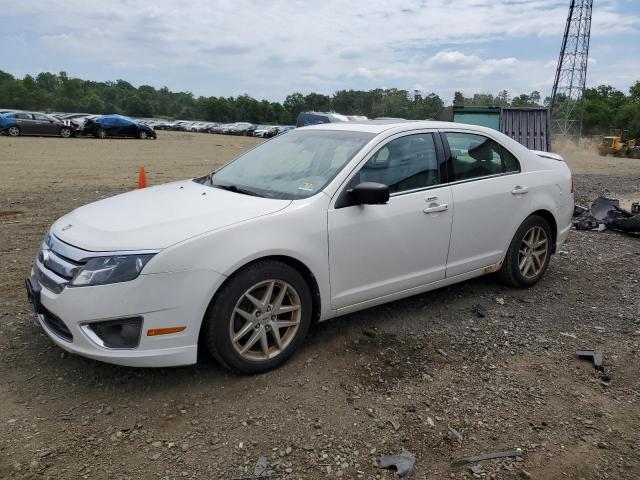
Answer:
(54, 267)
(57, 326)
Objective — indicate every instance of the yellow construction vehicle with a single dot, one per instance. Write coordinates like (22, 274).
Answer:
(617, 144)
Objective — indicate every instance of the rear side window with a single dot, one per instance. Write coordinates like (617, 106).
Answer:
(24, 116)
(475, 156)
(405, 163)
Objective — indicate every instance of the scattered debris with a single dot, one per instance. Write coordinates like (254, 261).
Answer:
(403, 463)
(260, 470)
(441, 352)
(500, 301)
(596, 357)
(394, 424)
(635, 208)
(607, 211)
(488, 456)
(570, 335)
(370, 332)
(579, 211)
(598, 360)
(479, 310)
(585, 222)
(476, 470)
(455, 434)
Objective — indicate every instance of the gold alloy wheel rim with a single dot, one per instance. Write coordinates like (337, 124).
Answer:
(533, 252)
(265, 320)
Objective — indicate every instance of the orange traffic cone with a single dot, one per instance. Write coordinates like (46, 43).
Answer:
(142, 178)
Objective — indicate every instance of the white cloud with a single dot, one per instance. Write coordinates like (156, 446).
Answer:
(269, 48)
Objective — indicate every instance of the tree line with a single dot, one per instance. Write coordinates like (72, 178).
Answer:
(605, 106)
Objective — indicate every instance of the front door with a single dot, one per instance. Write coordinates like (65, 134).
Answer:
(491, 199)
(378, 250)
(45, 125)
(26, 123)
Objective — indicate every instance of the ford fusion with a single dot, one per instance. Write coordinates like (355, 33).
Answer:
(320, 222)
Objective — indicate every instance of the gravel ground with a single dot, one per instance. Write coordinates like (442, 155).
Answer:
(424, 374)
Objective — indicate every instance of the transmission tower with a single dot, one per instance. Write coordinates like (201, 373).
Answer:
(571, 74)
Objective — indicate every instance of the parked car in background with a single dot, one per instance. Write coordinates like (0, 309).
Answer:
(33, 123)
(285, 129)
(242, 128)
(117, 126)
(320, 222)
(315, 118)
(266, 131)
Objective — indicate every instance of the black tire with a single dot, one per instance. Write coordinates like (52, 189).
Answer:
(510, 273)
(65, 132)
(101, 133)
(13, 131)
(215, 333)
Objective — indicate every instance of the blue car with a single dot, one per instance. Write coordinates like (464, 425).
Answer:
(117, 126)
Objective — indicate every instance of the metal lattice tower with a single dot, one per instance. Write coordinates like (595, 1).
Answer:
(571, 74)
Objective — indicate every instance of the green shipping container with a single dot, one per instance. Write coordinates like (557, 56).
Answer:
(483, 116)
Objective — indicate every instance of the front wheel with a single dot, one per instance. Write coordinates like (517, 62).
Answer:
(101, 133)
(142, 135)
(65, 132)
(13, 131)
(529, 253)
(259, 318)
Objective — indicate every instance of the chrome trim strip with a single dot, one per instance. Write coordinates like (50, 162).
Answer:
(59, 265)
(48, 278)
(92, 336)
(79, 255)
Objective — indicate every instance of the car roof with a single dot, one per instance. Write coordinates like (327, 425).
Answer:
(379, 126)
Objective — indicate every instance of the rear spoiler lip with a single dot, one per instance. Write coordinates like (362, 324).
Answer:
(549, 155)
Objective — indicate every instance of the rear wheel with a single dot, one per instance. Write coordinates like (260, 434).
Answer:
(13, 131)
(259, 318)
(528, 255)
(101, 133)
(65, 132)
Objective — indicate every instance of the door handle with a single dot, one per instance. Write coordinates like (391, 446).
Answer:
(520, 190)
(436, 208)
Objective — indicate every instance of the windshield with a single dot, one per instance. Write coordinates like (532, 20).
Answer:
(292, 166)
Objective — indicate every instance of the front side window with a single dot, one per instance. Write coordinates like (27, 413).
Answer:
(39, 116)
(405, 163)
(292, 166)
(24, 116)
(474, 156)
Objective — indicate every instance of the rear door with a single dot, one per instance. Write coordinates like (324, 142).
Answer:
(490, 195)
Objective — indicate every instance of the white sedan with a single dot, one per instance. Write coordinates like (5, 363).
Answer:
(323, 221)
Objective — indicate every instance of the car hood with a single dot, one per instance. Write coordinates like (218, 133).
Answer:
(157, 217)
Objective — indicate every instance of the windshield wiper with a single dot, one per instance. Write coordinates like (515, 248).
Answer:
(236, 189)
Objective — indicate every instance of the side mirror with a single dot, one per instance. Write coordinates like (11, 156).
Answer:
(369, 193)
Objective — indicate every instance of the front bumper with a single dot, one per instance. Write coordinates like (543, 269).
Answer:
(163, 300)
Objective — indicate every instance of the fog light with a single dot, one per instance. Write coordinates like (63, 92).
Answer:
(120, 333)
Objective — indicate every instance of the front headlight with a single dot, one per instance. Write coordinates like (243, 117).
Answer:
(104, 270)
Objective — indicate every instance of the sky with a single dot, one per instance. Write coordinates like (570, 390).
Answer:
(271, 48)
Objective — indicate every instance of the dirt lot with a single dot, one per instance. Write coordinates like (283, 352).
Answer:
(381, 381)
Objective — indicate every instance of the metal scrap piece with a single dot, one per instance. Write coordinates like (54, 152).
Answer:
(403, 463)
(488, 456)
(608, 212)
(479, 310)
(260, 470)
(596, 357)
